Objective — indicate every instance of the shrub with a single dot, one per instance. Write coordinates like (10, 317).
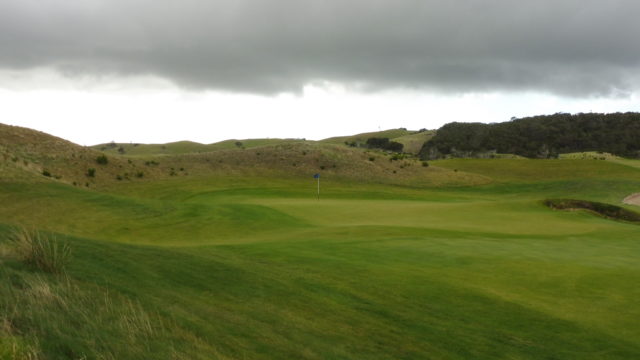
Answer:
(91, 172)
(46, 173)
(102, 160)
(425, 164)
(41, 251)
(371, 158)
(602, 209)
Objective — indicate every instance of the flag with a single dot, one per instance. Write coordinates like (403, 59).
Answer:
(316, 176)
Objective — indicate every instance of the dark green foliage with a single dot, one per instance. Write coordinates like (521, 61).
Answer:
(139, 174)
(102, 160)
(384, 144)
(605, 210)
(151, 163)
(46, 173)
(425, 164)
(91, 172)
(539, 136)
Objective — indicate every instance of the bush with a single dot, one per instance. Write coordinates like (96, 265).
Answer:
(91, 172)
(385, 144)
(425, 164)
(602, 209)
(46, 173)
(102, 160)
(41, 251)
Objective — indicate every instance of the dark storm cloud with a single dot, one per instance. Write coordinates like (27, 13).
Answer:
(568, 47)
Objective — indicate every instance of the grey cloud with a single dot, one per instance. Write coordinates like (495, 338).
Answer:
(570, 47)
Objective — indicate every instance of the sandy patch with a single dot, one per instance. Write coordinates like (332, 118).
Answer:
(633, 199)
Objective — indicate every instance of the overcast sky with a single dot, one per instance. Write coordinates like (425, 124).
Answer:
(155, 71)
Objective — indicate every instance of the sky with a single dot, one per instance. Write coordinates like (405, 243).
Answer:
(95, 71)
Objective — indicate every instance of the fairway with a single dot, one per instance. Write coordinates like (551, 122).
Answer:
(259, 268)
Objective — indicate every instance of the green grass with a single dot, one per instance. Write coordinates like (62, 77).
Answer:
(257, 268)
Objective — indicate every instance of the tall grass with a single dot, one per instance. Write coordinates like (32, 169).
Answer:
(46, 316)
(45, 252)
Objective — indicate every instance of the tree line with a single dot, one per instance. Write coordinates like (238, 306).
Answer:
(544, 136)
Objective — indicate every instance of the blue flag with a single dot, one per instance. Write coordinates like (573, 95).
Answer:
(316, 176)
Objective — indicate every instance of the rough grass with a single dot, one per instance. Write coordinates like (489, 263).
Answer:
(185, 147)
(413, 142)
(41, 251)
(58, 317)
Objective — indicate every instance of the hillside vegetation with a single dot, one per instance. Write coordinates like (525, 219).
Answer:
(185, 147)
(34, 156)
(539, 136)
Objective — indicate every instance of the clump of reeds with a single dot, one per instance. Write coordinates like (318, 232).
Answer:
(42, 251)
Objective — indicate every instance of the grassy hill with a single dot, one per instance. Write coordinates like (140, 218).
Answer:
(185, 147)
(33, 155)
(234, 257)
(362, 138)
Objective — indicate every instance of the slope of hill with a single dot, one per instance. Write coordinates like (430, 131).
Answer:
(413, 142)
(29, 154)
(185, 147)
(361, 139)
(41, 157)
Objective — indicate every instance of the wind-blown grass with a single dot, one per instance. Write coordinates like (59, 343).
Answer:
(41, 251)
(44, 316)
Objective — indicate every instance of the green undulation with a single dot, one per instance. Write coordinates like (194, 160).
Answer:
(254, 266)
(42, 251)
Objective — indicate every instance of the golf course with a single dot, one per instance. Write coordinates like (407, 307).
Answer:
(228, 252)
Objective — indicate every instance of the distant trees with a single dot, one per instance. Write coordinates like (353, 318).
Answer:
(539, 136)
(385, 144)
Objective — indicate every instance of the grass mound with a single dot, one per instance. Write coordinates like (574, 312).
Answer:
(605, 210)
